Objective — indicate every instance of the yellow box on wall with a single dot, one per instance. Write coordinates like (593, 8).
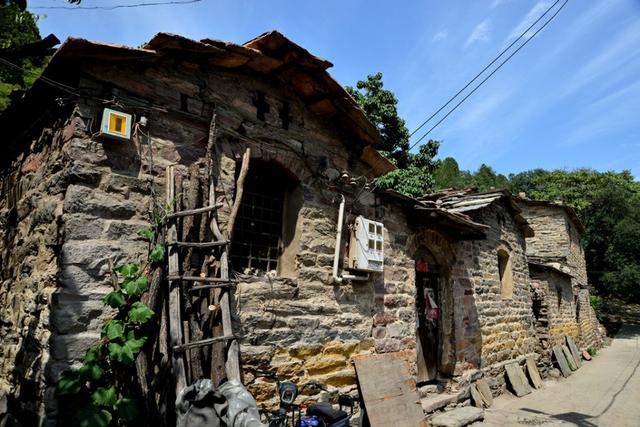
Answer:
(115, 124)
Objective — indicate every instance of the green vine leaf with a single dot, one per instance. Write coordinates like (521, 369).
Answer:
(91, 372)
(114, 299)
(127, 270)
(93, 354)
(147, 233)
(104, 396)
(69, 383)
(157, 253)
(135, 287)
(120, 353)
(135, 344)
(139, 313)
(127, 409)
(114, 330)
(95, 417)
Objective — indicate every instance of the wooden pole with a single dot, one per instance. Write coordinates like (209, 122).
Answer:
(175, 322)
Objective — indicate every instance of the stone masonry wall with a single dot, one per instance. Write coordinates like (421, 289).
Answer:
(491, 330)
(561, 309)
(550, 227)
(298, 327)
(30, 233)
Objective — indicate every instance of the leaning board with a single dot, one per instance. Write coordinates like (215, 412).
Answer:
(562, 361)
(567, 353)
(533, 372)
(517, 379)
(574, 351)
(389, 394)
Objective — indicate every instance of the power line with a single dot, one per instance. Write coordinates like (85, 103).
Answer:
(489, 76)
(119, 6)
(483, 70)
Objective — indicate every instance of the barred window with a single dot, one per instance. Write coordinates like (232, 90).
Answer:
(265, 228)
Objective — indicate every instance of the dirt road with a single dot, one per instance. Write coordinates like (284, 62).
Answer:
(604, 392)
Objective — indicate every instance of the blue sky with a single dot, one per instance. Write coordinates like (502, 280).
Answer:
(571, 98)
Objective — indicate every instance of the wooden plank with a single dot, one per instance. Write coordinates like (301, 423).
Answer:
(202, 343)
(388, 391)
(534, 374)
(574, 351)
(201, 279)
(175, 322)
(483, 387)
(561, 360)
(213, 286)
(199, 244)
(188, 212)
(518, 381)
(570, 360)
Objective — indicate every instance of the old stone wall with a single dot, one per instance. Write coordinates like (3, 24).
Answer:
(560, 303)
(551, 238)
(492, 330)
(31, 207)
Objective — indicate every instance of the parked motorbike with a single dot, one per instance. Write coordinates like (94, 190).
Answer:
(317, 414)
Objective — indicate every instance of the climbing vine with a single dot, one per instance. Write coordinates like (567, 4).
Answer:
(101, 392)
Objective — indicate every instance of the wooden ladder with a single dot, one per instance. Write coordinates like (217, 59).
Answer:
(178, 344)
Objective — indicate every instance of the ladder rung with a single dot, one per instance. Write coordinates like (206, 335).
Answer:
(202, 287)
(200, 279)
(202, 343)
(188, 212)
(201, 244)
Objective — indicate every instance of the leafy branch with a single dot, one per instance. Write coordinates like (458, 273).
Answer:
(99, 393)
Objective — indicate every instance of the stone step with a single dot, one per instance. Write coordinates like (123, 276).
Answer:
(458, 417)
(438, 401)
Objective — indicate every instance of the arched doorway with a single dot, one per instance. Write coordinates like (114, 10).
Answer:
(429, 315)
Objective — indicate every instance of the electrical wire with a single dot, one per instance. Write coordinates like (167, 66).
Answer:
(119, 6)
(484, 69)
(489, 76)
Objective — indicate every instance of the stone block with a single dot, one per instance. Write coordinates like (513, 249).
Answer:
(458, 417)
(82, 227)
(70, 347)
(80, 199)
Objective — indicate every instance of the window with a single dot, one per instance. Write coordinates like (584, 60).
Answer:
(506, 275)
(266, 232)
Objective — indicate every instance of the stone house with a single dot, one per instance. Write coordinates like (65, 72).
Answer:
(490, 283)
(559, 276)
(454, 296)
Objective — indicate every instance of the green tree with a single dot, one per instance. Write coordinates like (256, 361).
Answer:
(17, 27)
(381, 107)
(609, 205)
(448, 174)
(414, 175)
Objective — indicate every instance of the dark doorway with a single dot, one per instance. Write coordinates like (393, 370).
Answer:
(429, 318)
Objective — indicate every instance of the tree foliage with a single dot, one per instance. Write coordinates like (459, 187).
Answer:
(17, 27)
(414, 175)
(448, 175)
(609, 205)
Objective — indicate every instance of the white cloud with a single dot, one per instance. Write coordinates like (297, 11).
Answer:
(440, 35)
(480, 33)
(496, 3)
(536, 11)
(622, 49)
